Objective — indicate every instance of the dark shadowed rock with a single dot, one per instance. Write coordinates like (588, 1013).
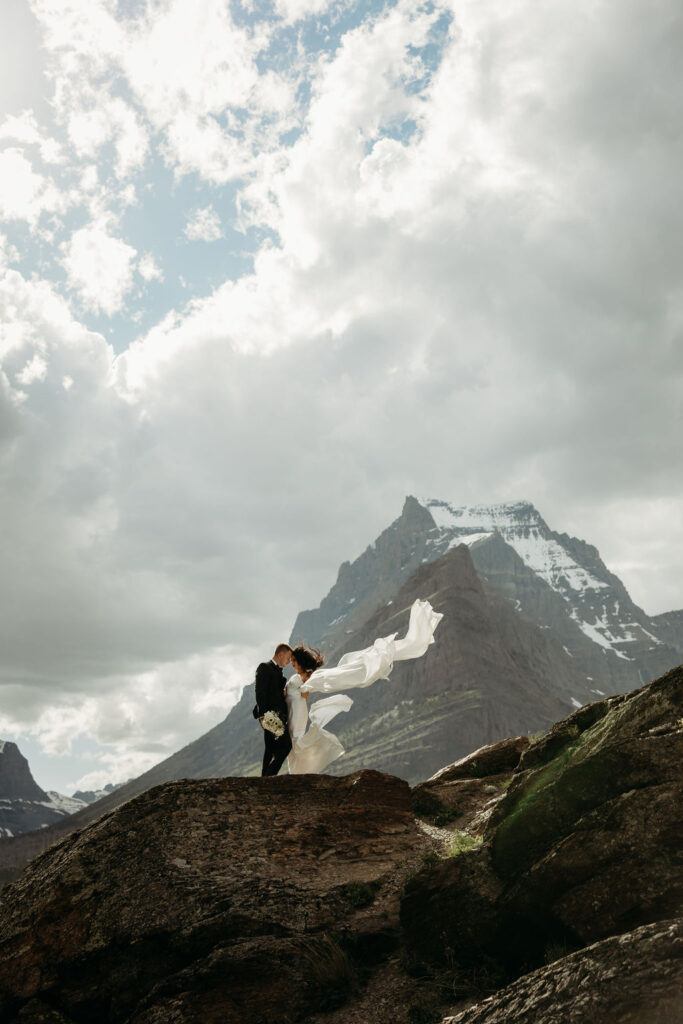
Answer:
(585, 843)
(451, 910)
(203, 900)
(37, 1012)
(636, 978)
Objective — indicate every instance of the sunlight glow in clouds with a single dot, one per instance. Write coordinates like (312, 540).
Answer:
(264, 272)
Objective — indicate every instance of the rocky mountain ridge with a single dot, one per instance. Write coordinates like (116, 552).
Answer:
(531, 881)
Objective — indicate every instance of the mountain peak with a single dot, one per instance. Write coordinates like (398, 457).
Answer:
(16, 781)
(415, 514)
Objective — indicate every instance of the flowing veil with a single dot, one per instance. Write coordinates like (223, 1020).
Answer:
(315, 747)
(362, 668)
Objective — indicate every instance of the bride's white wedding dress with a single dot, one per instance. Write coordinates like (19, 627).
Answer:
(314, 748)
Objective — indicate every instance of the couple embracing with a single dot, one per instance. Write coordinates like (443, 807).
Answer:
(296, 732)
(281, 709)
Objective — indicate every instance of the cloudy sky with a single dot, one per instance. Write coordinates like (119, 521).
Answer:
(268, 267)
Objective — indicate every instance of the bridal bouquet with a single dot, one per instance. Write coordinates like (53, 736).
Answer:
(273, 723)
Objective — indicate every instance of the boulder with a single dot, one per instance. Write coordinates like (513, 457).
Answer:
(494, 759)
(585, 843)
(213, 900)
(628, 979)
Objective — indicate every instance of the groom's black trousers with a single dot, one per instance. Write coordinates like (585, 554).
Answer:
(275, 753)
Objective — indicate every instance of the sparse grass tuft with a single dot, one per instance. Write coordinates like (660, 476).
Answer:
(462, 842)
(330, 969)
(360, 894)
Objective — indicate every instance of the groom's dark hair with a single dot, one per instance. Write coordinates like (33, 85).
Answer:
(280, 648)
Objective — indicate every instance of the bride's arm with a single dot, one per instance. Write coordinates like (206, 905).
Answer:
(298, 708)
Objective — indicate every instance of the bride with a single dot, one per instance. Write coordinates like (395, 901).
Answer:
(314, 748)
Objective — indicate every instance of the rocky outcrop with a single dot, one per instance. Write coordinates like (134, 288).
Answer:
(233, 900)
(636, 978)
(465, 793)
(584, 844)
(349, 900)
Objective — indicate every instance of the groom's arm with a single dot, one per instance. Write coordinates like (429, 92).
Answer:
(262, 689)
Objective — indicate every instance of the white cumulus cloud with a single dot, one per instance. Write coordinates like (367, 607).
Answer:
(24, 193)
(99, 267)
(149, 269)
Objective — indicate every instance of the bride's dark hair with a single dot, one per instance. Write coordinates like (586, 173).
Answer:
(309, 659)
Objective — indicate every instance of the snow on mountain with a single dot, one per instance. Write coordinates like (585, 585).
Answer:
(65, 804)
(594, 596)
(469, 539)
(524, 529)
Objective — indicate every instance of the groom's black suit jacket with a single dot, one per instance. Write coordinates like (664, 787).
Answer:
(270, 685)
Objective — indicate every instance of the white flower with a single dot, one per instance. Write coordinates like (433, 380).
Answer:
(273, 723)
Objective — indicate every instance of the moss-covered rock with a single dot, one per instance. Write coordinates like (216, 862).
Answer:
(585, 843)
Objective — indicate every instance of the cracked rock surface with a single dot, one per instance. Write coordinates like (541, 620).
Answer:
(209, 900)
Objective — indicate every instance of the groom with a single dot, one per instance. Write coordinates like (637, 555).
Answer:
(270, 696)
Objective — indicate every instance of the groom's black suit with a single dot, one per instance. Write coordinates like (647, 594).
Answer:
(270, 696)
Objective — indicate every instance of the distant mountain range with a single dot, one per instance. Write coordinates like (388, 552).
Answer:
(534, 626)
(90, 796)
